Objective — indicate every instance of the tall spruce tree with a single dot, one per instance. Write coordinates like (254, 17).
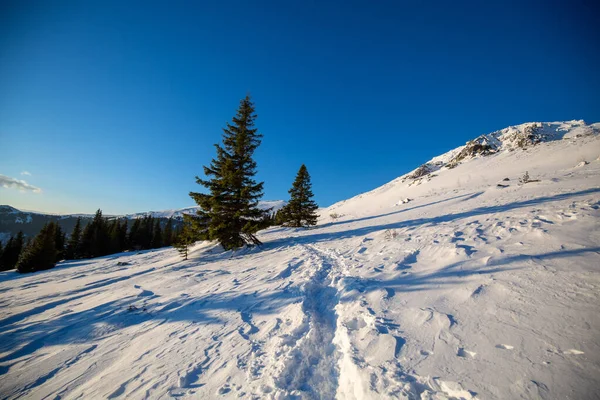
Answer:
(73, 250)
(229, 212)
(41, 254)
(301, 209)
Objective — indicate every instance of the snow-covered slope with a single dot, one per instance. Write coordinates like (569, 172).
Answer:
(468, 290)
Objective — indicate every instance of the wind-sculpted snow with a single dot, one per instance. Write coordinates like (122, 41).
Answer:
(469, 291)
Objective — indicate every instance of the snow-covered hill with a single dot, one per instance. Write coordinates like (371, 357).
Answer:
(441, 286)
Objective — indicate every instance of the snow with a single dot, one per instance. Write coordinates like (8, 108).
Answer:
(469, 291)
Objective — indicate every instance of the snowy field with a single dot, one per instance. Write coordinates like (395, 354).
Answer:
(468, 290)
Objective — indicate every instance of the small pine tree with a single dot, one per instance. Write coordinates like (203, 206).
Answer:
(41, 254)
(301, 209)
(73, 250)
(184, 240)
(229, 213)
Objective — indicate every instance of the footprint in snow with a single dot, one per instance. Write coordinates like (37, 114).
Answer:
(465, 353)
(504, 346)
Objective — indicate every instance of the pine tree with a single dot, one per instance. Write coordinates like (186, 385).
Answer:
(301, 209)
(95, 241)
(41, 254)
(134, 235)
(123, 245)
(229, 212)
(114, 234)
(11, 252)
(157, 235)
(184, 240)
(168, 233)
(59, 241)
(73, 250)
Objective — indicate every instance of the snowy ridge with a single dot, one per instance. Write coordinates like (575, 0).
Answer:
(520, 137)
(274, 205)
(482, 286)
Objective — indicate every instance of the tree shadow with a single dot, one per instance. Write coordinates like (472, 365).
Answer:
(362, 231)
(463, 197)
(454, 273)
(20, 340)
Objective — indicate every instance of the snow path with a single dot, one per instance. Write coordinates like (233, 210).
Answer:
(467, 291)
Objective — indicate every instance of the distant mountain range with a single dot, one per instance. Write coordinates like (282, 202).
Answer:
(13, 220)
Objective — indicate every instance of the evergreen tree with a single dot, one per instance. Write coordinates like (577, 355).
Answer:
(229, 212)
(123, 245)
(114, 234)
(168, 233)
(95, 241)
(301, 209)
(73, 250)
(134, 234)
(59, 241)
(11, 252)
(184, 240)
(157, 235)
(41, 254)
(148, 224)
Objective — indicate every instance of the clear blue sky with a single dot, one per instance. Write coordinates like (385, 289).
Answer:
(116, 104)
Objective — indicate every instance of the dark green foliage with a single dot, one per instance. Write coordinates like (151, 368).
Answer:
(10, 255)
(185, 238)
(141, 236)
(301, 209)
(157, 235)
(117, 233)
(59, 241)
(229, 213)
(134, 234)
(95, 240)
(123, 243)
(73, 250)
(168, 233)
(41, 254)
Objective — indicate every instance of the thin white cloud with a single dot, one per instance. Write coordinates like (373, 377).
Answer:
(12, 183)
(26, 173)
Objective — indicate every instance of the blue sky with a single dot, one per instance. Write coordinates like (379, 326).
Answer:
(117, 104)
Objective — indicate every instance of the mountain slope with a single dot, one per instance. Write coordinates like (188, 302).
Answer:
(468, 290)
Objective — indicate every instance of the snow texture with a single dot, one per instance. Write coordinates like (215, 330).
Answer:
(468, 291)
